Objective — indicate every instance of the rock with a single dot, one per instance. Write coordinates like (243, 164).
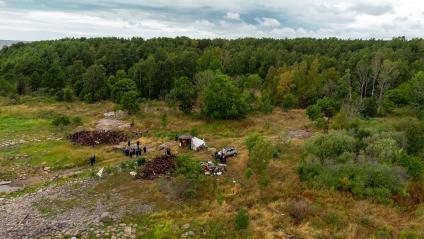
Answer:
(188, 234)
(5, 182)
(127, 231)
(185, 226)
(105, 217)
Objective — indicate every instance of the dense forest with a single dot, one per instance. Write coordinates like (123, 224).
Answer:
(372, 75)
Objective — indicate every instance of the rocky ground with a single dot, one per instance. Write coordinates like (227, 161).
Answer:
(22, 217)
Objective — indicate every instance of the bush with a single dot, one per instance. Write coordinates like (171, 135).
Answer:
(189, 177)
(300, 209)
(61, 121)
(242, 220)
(260, 155)
(248, 173)
(188, 167)
(374, 181)
(76, 121)
(265, 105)
(132, 164)
(369, 107)
(330, 146)
(337, 219)
(413, 164)
(314, 112)
(252, 139)
(384, 150)
(415, 137)
(324, 107)
(289, 102)
(341, 120)
(68, 94)
(264, 180)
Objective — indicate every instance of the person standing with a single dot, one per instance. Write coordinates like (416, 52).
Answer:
(93, 160)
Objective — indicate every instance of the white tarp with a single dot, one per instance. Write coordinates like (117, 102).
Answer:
(197, 143)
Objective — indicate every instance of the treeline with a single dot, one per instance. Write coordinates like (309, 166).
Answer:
(252, 74)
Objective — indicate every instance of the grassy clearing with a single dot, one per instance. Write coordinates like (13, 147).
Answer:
(60, 154)
(211, 215)
(15, 125)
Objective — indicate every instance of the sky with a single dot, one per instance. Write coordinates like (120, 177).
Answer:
(348, 19)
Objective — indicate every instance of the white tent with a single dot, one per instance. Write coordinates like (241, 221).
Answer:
(197, 143)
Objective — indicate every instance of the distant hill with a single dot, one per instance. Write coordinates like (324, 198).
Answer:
(6, 43)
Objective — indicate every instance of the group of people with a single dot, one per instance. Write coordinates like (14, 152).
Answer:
(221, 157)
(131, 151)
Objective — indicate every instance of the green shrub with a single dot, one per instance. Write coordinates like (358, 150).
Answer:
(374, 181)
(260, 155)
(336, 219)
(252, 139)
(265, 105)
(132, 164)
(415, 137)
(188, 166)
(323, 107)
(68, 94)
(190, 179)
(289, 102)
(76, 121)
(413, 164)
(330, 146)
(61, 121)
(264, 180)
(369, 107)
(248, 173)
(407, 234)
(314, 112)
(341, 120)
(242, 220)
(384, 150)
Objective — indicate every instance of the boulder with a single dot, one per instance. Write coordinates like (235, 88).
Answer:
(105, 217)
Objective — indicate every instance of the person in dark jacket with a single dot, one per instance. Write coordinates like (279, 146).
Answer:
(93, 160)
(138, 150)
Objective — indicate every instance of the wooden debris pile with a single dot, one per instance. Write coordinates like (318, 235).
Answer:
(91, 138)
(157, 166)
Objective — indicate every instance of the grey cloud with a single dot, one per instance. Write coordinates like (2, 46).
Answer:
(372, 9)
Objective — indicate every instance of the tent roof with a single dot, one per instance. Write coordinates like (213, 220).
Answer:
(185, 136)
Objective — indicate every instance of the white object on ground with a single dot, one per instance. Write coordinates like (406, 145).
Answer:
(100, 173)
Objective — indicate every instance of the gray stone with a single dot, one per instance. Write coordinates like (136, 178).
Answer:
(185, 226)
(105, 217)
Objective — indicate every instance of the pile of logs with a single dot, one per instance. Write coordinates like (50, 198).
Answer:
(157, 166)
(91, 138)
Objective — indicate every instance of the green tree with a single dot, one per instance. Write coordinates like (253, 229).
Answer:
(184, 94)
(223, 100)
(129, 102)
(55, 77)
(94, 84)
(122, 86)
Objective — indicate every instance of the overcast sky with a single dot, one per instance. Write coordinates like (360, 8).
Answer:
(52, 19)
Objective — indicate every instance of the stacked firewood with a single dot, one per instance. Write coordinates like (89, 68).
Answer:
(157, 166)
(91, 138)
